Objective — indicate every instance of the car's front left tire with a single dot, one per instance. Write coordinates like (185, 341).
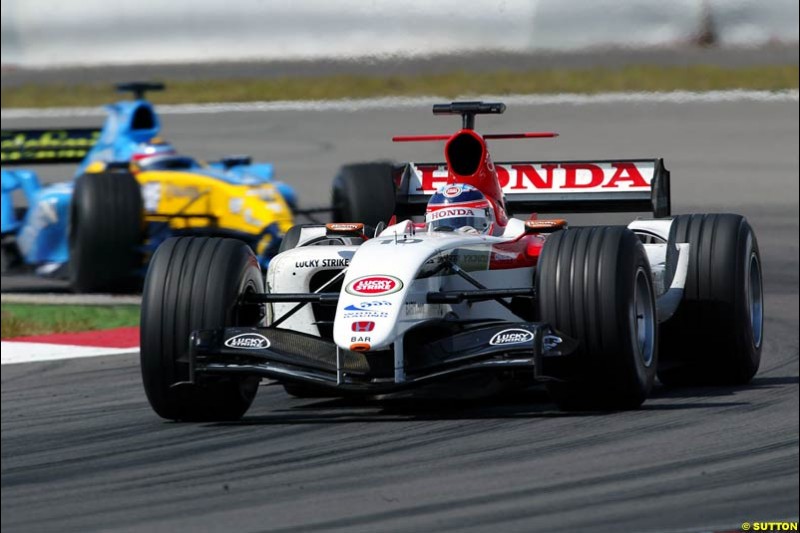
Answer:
(195, 283)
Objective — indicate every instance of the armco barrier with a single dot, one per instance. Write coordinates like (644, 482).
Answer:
(45, 33)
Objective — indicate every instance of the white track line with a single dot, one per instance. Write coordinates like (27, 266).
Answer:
(676, 97)
(33, 352)
(68, 298)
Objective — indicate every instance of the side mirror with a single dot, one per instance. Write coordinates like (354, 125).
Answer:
(544, 225)
(230, 161)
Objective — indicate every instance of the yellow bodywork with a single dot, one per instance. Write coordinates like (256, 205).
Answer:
(187, 199)
(233, 207)
(205, 201)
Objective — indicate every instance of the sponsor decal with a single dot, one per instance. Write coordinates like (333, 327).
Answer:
(346, 227)
(361, 339)
(366, 314)
(546, 223)
(266, 194)
(368, 305)
(469, 258)
(452, 192)
(248, 341)
(423, 310)
(374, 285)
(362, 326)
(511, 336)
(47, 145)
(452, 212)
(401, 240)
(551, 177)
(338, 262)
(367, 309)
(151, 195)
(178, 191)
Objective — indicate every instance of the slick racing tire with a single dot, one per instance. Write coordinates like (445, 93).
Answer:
(105, 232)
(364, 192)
(715, 336)
(594, 285)
(194, 283)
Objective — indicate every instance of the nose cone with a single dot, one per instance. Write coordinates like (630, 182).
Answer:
(368, 309)
(378, 280)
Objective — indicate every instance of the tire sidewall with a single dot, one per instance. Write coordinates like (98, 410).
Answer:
(747, 251)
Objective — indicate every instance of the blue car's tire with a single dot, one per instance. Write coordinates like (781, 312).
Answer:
(194, 283)
(105, 232)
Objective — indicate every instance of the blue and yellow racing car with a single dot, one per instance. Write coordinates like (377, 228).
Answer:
(131, 191)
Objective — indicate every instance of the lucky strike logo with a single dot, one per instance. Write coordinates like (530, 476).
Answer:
(374, 285)
(248, 341)
(511, 336)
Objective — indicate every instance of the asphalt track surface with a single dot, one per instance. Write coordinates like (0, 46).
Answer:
(82, 451)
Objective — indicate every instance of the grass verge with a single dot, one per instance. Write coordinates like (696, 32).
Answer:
(19, 320)
(447, 85)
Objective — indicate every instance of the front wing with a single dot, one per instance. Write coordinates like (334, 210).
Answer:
(290, 356)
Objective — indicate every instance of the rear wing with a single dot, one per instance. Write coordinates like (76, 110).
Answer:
(620, 185)
(47, 146)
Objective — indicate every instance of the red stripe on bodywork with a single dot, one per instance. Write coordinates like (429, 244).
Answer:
(520, 253)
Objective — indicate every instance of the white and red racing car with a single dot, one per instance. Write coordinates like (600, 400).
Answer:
(382, 301)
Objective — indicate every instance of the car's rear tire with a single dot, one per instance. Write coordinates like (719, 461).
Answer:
(364, 192)
(105, 232)
(715, 337)
(194, 283)
(594, 284)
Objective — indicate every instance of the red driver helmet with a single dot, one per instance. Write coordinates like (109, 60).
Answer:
(458, 207)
